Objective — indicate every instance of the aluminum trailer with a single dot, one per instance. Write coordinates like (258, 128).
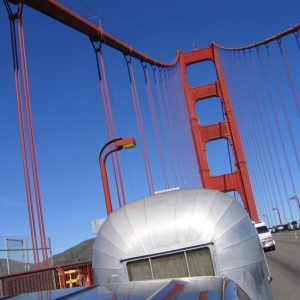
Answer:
(181, 234)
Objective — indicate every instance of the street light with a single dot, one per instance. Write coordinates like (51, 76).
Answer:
(115, 145)
(275, 208)
(267, 220)
(297, 199)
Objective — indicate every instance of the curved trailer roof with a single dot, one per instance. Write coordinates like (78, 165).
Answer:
(180, 219)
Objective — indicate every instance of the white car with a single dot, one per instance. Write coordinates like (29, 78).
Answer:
(279, 228)
(265, 236)
(294, 225)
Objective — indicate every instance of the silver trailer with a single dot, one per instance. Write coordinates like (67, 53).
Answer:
(184, 234)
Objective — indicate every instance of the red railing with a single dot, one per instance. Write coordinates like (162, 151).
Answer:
(52, 278)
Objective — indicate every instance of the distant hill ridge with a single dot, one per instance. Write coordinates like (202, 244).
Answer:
(80, 252)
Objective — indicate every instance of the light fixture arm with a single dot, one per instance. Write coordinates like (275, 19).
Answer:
(119, 144)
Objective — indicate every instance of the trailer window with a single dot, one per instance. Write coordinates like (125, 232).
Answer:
(171, 266)
(200, 263)
(139, 270)
(174, 265)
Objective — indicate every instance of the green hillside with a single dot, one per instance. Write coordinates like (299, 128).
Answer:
(80, 252)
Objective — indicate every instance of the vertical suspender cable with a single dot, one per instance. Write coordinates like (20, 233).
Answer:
(109, 122)
(272, 136)
(265, 138)
(277, 125)
(253, 130)
(260, 152)
(163, 117)
(12, 18)
(181, 114)
(139, 121)
(286, 66)
(167, 118)
(181, 125)
(237, 92)
(171, 122)
(32, 146)
(287, 123)
(155, 125)
(115, 156)
(296, 101)
(296, 34)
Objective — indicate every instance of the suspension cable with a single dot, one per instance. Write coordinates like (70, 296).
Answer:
(264, 141)
(32, 145)
(162, 113)
(12, 18)
(164, 89)
(261, 157)
(296, 101)
(277, 125)
(175, 141)
(141, 131)
(109, 122)
(296, 34)
(155, 124)
(287, 123)
(242, 89)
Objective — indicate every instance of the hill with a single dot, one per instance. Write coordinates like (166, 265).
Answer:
(13, 266)
(81, 252)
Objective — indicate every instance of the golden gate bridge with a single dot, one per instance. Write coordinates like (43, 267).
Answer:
(256, 88)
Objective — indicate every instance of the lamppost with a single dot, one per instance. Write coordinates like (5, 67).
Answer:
(267, 220)
(297, 199)
(115, 145)
(275, 208)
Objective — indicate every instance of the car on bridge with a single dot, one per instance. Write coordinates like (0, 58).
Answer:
(265, 236)
(294, 225)
(272, 229)
(279, 228)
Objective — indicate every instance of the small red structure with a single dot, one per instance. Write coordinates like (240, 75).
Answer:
(52, 278)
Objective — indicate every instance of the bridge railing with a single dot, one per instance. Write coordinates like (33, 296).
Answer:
(52, 278)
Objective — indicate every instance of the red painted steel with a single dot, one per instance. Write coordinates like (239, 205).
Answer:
(114, 145)
(293, 29)
(239, 179)
(44, 279)
(173, 293)
(60, 13)
(16, 18)
(33, 158)
(32, 281)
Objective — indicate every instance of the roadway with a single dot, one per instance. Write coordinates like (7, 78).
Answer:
(284, 266)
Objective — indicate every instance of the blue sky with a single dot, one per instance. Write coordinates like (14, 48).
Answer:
(65, 96)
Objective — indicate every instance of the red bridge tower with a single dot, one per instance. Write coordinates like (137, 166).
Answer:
(237, 180)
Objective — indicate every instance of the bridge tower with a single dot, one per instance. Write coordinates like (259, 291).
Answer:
(237, 180)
